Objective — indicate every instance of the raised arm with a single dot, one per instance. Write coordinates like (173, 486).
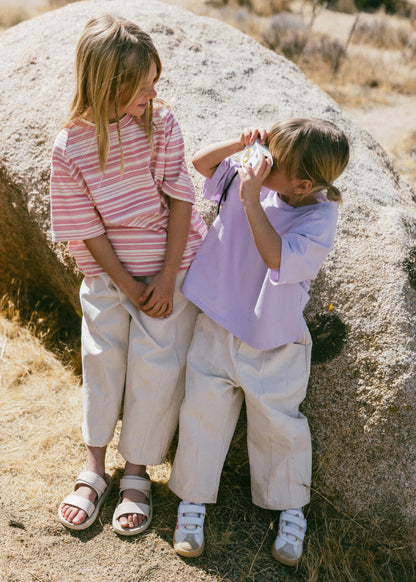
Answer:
(207, 160)
(268, 241)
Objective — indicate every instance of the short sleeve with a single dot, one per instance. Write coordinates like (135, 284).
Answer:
(215, 186)
(73, 214)
(176, 182)
(306, 245)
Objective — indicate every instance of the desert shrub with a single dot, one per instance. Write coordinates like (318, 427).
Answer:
(401, 7)
(269, 7)
(259, 7)
(11, 14)
(324, 51)
(383, 32)
(286, 33)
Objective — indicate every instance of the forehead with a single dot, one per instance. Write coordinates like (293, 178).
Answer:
(152, 73)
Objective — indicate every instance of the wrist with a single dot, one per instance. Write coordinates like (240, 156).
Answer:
(251, 202)
(169, 271)
(128, 284)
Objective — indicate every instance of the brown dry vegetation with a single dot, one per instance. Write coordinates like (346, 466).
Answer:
(40, 393)
(42, 452)
(365, 61)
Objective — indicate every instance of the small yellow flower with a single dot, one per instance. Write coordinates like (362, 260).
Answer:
(330, 307)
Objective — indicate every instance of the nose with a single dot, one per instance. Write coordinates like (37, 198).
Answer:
(153, 93)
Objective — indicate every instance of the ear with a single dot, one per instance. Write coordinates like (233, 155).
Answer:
(303, 186)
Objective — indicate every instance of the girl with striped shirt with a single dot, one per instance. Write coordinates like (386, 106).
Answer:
(121, 196)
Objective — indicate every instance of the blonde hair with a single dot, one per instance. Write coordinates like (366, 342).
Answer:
(113, 60)
(312, 149)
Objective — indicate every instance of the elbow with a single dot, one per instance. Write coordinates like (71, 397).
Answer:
(272, 260)
(196, 162)
(201, 167)
(273, 264)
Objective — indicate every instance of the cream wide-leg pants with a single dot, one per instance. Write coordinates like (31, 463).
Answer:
(136, 363)
(221, 371)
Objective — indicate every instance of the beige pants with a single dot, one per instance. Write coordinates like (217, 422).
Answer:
(273, 383)
(130, 357)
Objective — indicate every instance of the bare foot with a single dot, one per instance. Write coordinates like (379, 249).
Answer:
(76, 515)
(132, 519)
(95, 464)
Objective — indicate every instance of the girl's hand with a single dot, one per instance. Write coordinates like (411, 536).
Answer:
(135, 291)
(251, 180)
(157, 300)
(250, 134)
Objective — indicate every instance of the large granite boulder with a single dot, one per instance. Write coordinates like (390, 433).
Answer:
(362, 312)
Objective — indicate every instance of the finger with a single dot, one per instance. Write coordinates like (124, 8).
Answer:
(262, 135)
(158, 310)
(168, 311)
(150, 305)
(249, 135)
(145, 296)
(265, 166)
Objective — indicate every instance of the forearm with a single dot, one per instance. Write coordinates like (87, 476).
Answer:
(178, 232)
(267, 240)
(102, 251)
(158, 297)
(207, 160)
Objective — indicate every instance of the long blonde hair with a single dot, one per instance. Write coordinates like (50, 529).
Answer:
(113, 60)
(312, 149)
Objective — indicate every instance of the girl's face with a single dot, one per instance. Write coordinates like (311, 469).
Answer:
(146, 92)
(292, 191)
(278, 181)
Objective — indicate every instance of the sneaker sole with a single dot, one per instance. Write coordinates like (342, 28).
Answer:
(283, 560)
(188, 553)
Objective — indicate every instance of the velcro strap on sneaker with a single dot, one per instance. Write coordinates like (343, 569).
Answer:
(299, 521)
(183, 520)
(192, 508)
(295, 531)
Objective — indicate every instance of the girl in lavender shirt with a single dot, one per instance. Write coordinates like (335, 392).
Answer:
(251, 279)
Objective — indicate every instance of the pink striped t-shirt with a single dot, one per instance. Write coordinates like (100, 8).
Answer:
(130, 207)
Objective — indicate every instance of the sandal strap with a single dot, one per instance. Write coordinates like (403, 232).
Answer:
(93, 480)
(132, 507)
(80, 503)
(142, 484)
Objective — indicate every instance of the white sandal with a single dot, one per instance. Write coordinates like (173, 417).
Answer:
(188, 539)
(101, 486)
(142, 484)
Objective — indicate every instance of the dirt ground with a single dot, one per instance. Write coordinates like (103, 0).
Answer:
(40, 440)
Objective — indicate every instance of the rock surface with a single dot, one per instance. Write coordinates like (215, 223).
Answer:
(361, 396)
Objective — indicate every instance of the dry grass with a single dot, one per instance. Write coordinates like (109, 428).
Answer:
(13, 12)
(362, 60)
(42, 452)
(40, 409)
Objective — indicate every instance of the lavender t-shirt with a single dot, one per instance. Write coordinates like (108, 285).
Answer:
(229, 281)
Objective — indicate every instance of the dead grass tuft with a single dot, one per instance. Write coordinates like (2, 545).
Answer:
(40, 394)
(42, 452)
(384, 32)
